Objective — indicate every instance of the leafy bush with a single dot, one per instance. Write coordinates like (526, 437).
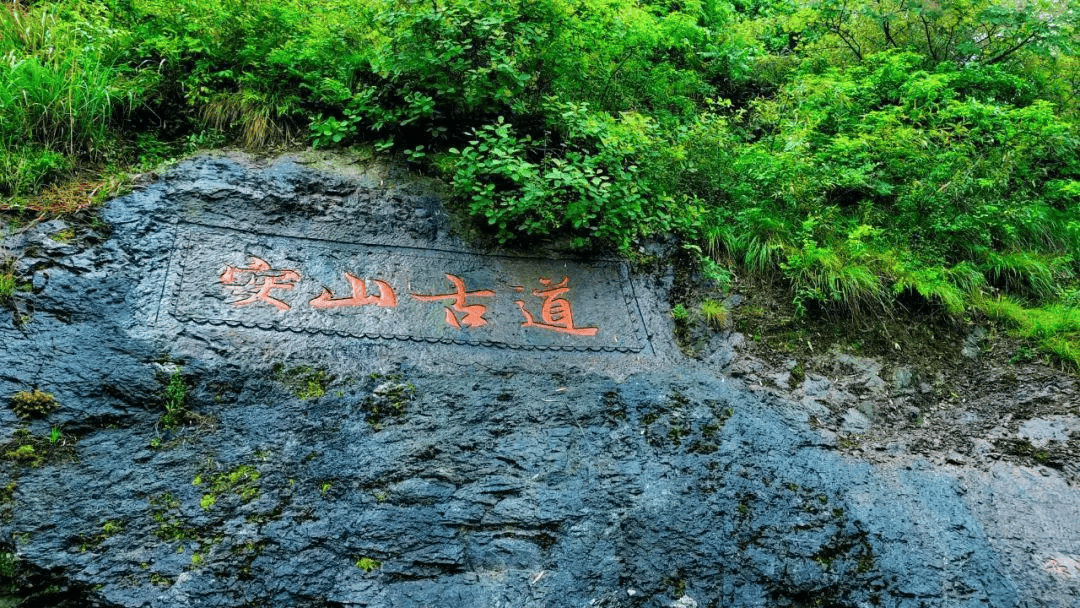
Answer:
(582, 193)
(926, 152)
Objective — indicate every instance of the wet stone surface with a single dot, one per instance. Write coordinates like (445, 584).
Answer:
(311, 464)
(402, 293)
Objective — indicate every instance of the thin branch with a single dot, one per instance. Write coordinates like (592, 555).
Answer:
(929, 41)
(1012, 49)
(888, 33)
(850, 43)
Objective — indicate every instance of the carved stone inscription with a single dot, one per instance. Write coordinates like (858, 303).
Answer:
(222, 277)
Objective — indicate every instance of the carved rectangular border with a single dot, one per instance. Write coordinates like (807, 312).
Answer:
(602, 293)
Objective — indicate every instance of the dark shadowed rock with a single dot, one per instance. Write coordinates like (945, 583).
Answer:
(359, 458)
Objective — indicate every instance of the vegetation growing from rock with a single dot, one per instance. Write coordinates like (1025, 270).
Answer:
(33, 404)
(304, 381)
(27, 449)
(871, 155)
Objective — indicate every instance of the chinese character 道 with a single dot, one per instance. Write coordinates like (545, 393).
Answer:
(555, 311)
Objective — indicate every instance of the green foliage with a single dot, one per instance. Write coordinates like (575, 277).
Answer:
(368, 564)
(715, 313)
(26, 448)
(61, 87)
(7, 285)
(884, 178)
(304, 381)
(175, 401)
(1055, 328)
(9, 574)
(679, 313)
(584, 193)
(33, 404)
(867, 152)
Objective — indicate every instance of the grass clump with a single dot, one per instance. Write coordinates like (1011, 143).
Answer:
(1055, 328)
(715, 313)
(680, 314)
(63, 82)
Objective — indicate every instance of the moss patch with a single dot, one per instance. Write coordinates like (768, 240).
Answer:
(33, 404)
(28, 449)
(305, 382)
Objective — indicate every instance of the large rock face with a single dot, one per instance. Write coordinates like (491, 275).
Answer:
(337, 441)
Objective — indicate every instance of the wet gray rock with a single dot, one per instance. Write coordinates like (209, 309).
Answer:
(320, 469)
(854, 422)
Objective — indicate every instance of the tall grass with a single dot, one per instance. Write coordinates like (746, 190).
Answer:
(1055, 327)
(60, 88)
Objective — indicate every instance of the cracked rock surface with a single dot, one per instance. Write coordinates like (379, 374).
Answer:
(327, 470)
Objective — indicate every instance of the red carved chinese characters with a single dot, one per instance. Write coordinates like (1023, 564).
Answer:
(473, 316)
(258, 282)
(385, 299)
(555, 312)
(261, 280)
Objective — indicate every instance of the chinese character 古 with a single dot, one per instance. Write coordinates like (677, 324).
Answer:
(473, 316)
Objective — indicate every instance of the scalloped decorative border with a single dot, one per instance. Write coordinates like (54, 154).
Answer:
(184, 240)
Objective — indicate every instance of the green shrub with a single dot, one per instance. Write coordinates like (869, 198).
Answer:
(175, 402)
(594, 190)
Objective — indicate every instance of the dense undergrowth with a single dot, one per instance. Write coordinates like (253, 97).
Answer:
(874, 153)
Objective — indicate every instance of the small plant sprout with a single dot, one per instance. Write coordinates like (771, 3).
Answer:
(55, 435)
(714, 313)
(679, 313)
(368, 564)
(175, 399)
